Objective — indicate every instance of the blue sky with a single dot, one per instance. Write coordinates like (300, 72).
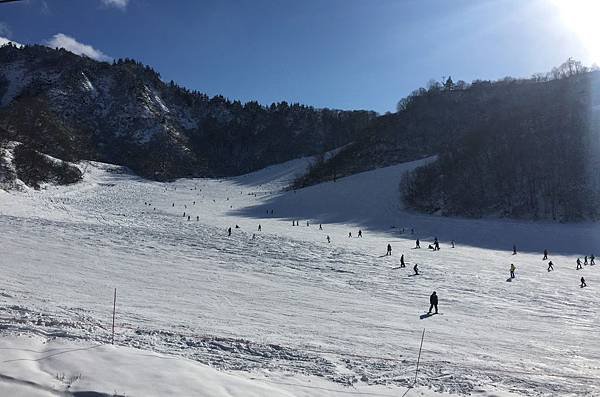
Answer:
(347, 54)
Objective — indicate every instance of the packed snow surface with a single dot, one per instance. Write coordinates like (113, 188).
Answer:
(281, 311)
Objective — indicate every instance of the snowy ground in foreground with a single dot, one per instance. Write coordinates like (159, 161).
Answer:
(286, 307)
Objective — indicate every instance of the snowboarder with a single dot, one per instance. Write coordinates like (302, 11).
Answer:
(550, 266)
(545, 255)
(578, 264)
(592, 259)
(583, 284)
(349, 234)
(328, 239)
(436, 244)
(514, 249)
(416, 269)
(320, 227)
(512, 270)
(418, 244)
(433, 302)
(229, 232)
(259, 227)
(389, 250)
(360, 233)
(402, 261)
(585, 260)
(452, 243)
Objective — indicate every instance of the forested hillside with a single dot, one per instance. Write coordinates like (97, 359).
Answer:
(74, 108)
(522, 148)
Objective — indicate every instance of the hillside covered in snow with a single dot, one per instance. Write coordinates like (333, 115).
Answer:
(284, 311)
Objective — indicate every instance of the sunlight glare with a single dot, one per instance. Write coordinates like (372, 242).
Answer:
(581, 17)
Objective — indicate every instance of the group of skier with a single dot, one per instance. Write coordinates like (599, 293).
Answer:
(551, 265)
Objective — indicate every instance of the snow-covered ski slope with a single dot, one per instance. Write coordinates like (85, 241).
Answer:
(286, 304)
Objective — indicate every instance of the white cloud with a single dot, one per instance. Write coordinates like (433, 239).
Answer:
(122, 4)
(70, 44)
(4, 41)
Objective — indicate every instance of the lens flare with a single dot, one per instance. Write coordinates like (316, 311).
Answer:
(582, 18)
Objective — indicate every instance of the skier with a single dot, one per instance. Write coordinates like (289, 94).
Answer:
(389, 250)
(173, 205)
(188, 217)
(550, 266)
(512, 270)
(237, 226)
(433, 301)
(402, 261)
(259, 227)
(229, 232)
(194, 203)
(328, 239)
(585, 260)
(436, 244)
(578, 264)
(545, 255)
(307, 224)
(320, 227)
(514, 249)
(418, 244)
(592, 259)
(452, 243)
(416, 269)
(349, 234)
(583, 284)
(197, 218)
(184, 214)
(360, 233)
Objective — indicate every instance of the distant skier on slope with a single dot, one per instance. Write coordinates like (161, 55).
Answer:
(328, 239)
(583, 284)
(452, 243)
(585, 260)
(512, 270)
(433, 302)
(229, 232)
(436, 244)
(514, 249)
(402, 261)
(389, 249)
(259, 227)
(418, 244)
(545, 255)
(320, 226)
(349, 234)
(360, 233)
(416, 269)
(578, 264)
(550, 266)
(592, 259)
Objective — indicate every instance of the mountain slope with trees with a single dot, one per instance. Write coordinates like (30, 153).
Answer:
(74, 108)
(519, 148)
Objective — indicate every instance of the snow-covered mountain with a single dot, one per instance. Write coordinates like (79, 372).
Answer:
(73, 108)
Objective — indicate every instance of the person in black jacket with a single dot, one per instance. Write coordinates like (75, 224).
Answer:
(433, 300)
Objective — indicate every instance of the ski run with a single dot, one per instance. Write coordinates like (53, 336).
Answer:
(282, 311)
